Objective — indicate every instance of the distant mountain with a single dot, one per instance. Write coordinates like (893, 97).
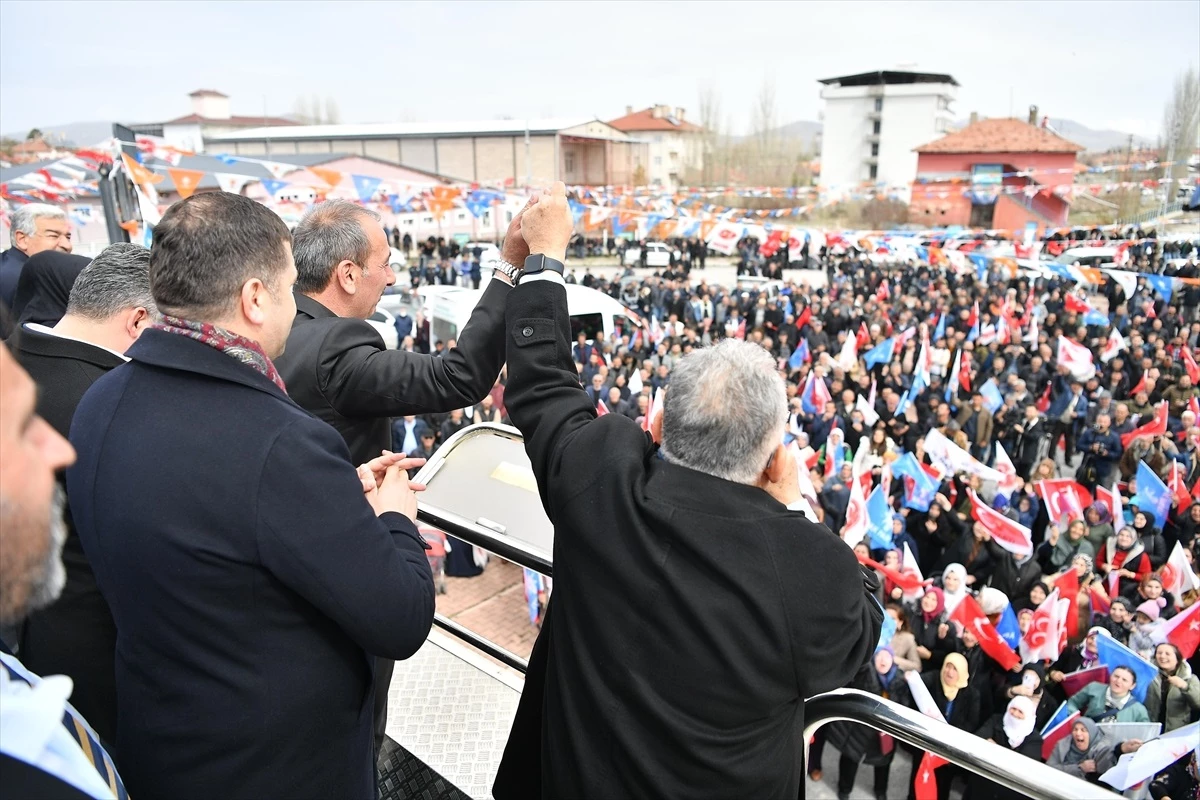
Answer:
(1093, 141)
(803, 130)
(80, 134)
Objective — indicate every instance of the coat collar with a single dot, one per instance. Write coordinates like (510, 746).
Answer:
(173, 351)
(35, 342)
(706, 493)
(307, 307)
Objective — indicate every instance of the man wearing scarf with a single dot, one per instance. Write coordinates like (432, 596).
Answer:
(249, 578)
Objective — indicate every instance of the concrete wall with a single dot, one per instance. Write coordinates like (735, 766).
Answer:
(456, 158)
(419, 153)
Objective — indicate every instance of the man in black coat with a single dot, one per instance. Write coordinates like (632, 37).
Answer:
(109, 306)
(692, 612)
(337, 368)
(249, 578)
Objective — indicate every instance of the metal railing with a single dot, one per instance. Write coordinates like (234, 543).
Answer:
(977, 755)
(1005, 767)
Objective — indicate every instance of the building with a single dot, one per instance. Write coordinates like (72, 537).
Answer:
(496, 152)
(676, 145)
(872, 122)
(210, 118)
(997, 174)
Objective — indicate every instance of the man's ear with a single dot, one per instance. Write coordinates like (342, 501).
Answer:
(136, 321)
(343, 273)
(656, 428)
(776, 466)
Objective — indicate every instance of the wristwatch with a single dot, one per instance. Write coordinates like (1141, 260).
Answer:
(511, 272)
(540, 263)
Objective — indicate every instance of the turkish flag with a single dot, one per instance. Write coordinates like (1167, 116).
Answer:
(1040, 642)
(1076, 304)
(804, 317)
(925, 787)
(1009, 534)
(1063, 496)
(601, 409)
(862, 337)
(1183, 630)
(1155, 427)
(1177, 575)
(1043, 403)
(968, 614)
(1140, 387)
(908, 581)
(1178, 486)
(1189, 363)
(1068, 588)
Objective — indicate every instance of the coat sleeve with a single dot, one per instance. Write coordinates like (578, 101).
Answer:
(319, 536)
(546, 402)
(361, 378)
(1058, 759)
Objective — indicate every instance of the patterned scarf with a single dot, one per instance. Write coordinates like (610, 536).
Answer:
(239, 347)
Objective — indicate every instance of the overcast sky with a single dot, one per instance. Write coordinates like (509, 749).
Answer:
(1104, 64)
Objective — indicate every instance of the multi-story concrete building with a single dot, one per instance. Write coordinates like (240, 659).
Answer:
(676, 145)
(498, 152)
(873, 121)
(210, 117)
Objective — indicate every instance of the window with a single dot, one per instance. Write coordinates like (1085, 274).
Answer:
(874, 148)
(591, 325)
(428, 220)
(486, 219)
(941, 126)
(879, 104)
(658, 138)
(569, 162)
(875, 127)
(874, 171)
(658, 161)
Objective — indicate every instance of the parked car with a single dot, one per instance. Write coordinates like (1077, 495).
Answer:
(397, 261)
(658, 254)
(489, 254)
(385, 322)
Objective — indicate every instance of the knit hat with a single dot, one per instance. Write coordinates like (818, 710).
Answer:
(1150, 609)
(1124, 601)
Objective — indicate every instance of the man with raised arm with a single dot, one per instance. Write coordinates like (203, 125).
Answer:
(694, 609)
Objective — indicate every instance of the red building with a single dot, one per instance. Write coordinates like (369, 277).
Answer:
(998, 174)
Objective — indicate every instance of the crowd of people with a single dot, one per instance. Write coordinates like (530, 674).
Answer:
(228, 437)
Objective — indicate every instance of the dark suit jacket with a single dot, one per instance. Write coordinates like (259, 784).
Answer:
(691, 615)
(75, 636)
(339, 370)
(12, 261)
(248, 578)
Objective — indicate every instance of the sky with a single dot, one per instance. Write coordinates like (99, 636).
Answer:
(1103, 64)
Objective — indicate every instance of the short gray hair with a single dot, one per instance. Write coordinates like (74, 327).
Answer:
(117, 280)
(329, 234)
(725, 411)
(25, 218)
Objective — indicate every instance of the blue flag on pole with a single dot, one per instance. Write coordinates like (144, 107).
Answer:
(799, 355)
(1094, 317)
(365, 186)
(1008, 628)
(991, 395)
(880, 353)
(1152, 496)
(1060, 716)
(1161, 284)
(981, 266)
(919, 486)
(886, 631)
(272, 186)
(1113, 654)
(939, 332)
(879, 520)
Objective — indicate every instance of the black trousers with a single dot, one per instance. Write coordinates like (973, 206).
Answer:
(1066, 429)
(383, 680)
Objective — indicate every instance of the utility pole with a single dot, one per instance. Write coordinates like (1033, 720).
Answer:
(1124, 187)
(266, 137)
(528, 163)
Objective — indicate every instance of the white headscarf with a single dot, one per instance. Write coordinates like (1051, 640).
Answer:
(954, 598)
(1017, 729)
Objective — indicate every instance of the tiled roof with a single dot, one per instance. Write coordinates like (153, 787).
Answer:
(645, 120)
(207, 93)
(1001, 136)
(234, 120)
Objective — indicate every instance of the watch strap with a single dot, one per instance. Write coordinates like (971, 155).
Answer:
(511, 271)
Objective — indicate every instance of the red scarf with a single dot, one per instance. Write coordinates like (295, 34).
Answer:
(231, 344)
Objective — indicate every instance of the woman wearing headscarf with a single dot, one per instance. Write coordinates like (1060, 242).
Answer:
(972, 551)
(957, 701)
(1126, 555)
(45, 286)
(1174, 695)
(1073, 659)
(1086, 753)
(858, 743)
(1150, 588)
(954, 586)
(1098, 517)
(1151, 539)
(1036, 595)
(979, 667)
(1013, 730)
(931, 630)
(1112, 701)
(1060, 547)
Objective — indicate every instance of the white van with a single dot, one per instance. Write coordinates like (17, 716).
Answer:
(592, 312)
(1094, 257)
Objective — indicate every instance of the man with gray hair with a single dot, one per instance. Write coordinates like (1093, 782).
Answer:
(694, 606)
(35, 227)
(337, 367)
(109, 306)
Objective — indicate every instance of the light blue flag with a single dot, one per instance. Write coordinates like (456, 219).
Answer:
(1161, 284)
(365, 186)
(1008, 628)
(886, 631)
(940, 331)
(991, 395)
(880, 353)
(272, 186)
(1152, 496)
(1113, 654)
(879, 520)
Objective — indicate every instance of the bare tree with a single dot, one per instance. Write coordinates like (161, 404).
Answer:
(1181, 121)
(331, 111)
(710, 121)
(302, 110)
(764, 123)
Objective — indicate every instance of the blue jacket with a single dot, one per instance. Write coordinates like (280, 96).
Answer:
(249, 580)
(11, 262)
(1061, 398)
(1110, 445)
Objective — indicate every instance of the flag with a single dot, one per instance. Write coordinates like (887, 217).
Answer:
(849, 355)
(1177, 575)
(973, 322)
(862, 337)
(1189, 364)
(905, 579)
(804, 318)
(1076, 304)
(1067, 584)
(881, 353)
(231, 183)
(921, 697)
(656, 408)
(1140, 386)
(1009, 534)
(968, 614)
(271, 186)
(1063, 497)
(857, 523)
(800, 356)
(991, 395)
(834, 456)
(815, 394)
(1113, 654)
(939, 330)
(868, 412)
(1155, 427)
(741, 330)
(601, 409)
(1099, 600)
(1181, 496)
(1151, 758)
(910, 569)
(1008, 627)
(925, 786)
(919, 487)
(1032, 336)
(1057, 729)
(185, 180)
(1194, 406)
(879, 520)
(1162, 284)
(955, 370)
(1040, 642)
(1111, 498)
(366, 186)
(1182, 630)
(1074, 681)
(635, 385)
(1005, 467)
(1114, 345)
(964, 375)
(1076, 358)
(953, 458)
(1152, 496)
(1043, 402)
